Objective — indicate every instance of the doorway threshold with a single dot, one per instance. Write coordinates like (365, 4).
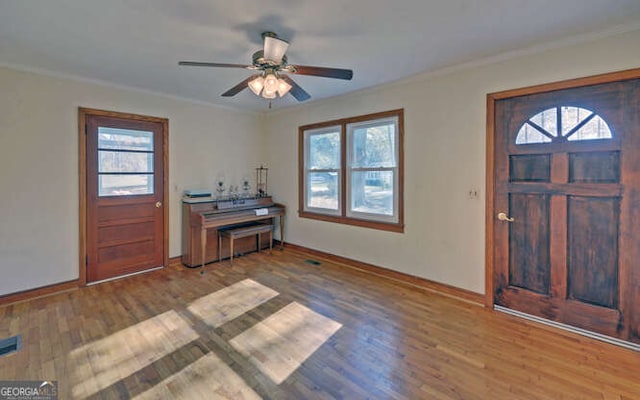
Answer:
(569, 328)
(125, 276)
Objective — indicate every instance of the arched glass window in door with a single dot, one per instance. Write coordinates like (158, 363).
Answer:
(563, 123)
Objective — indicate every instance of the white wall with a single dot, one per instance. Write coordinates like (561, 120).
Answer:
(445, 128)
(39, 166)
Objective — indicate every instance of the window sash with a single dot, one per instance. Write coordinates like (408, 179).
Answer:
(377, 123)
(350, 185)
(373, 216)
(308, 173)
(326, 192)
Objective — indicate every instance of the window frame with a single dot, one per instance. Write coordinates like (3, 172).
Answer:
(149, 172)
(573, 134)
(307, 171)
(344, 215)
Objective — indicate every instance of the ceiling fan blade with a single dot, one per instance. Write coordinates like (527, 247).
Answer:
(296, 91)
(336, 73)
(239, 87)
(208, 64)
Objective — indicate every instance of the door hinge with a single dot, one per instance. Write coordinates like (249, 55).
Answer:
(86, 260)
(86, 129)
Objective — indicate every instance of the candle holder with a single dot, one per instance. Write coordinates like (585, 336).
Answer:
(219, 189)
(233, 192)
(246, 187)
(262, 175)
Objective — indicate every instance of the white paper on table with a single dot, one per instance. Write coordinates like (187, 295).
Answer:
(262, 211)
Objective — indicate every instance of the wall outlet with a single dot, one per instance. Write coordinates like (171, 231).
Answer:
(473, 194)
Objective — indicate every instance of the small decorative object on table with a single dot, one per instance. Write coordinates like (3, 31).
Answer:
(261, 180)
(233, 192)
(220, 188)
(246, 187)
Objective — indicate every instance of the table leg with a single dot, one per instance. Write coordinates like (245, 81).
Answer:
(203, 244)
(282, 232)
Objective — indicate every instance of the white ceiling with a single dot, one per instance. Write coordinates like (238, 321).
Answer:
(138, 43)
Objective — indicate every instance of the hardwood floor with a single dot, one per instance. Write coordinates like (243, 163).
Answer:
(324, 331)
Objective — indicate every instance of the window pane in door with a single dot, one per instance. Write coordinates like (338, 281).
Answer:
(124, 139)
(372, 192)
(547, 120)
(594, 129)
(121, 161)
(528, 135)
(125, 185)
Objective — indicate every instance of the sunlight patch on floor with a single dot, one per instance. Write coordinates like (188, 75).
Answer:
(207, 378)
(278, 345)
(226, 304)
(102, 363)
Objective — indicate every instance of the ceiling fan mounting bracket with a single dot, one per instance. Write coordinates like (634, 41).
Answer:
(269, 34)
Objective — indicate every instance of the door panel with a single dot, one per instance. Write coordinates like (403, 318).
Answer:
(530, 168)
(566, 170)
(125, 223)
(124, 209)
(126, 232)
(529, 264)
(592, 260)
(594, 167)
(124, 255)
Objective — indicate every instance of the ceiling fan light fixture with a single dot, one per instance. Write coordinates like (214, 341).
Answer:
(274, 49)
(270, 83)
(257, 85)
(283, 87)
(268, 95)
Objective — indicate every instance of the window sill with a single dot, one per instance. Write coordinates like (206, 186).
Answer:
(383, 226)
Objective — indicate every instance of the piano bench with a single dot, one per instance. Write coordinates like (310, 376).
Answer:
(237, 233)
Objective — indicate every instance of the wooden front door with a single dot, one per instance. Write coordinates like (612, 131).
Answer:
(567, 206)
(125, 193)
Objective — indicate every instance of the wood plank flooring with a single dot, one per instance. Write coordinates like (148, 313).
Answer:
(340, 333)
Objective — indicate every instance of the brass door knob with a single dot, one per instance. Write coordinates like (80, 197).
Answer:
(158, 204)
(503, 217)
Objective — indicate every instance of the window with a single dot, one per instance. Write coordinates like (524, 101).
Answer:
(125, 162)
(561, 124)
(323, 164)
(351, 171)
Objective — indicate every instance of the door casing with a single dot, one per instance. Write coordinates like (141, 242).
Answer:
(83, 113)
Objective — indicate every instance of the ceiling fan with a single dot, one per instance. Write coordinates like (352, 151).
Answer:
(272, 80)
